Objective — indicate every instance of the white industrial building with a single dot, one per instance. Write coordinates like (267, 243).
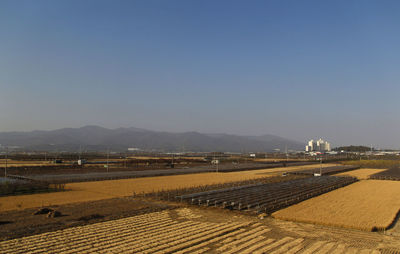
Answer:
(318, 146)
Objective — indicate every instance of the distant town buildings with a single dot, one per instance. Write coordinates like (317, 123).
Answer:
(318, 146)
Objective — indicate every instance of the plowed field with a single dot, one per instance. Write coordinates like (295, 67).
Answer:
(184, 231)
(365, 205)
(361, 174)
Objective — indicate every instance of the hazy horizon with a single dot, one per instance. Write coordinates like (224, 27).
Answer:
(208, 133)
(298, 70)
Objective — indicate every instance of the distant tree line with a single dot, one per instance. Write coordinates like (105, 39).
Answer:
(353, 148)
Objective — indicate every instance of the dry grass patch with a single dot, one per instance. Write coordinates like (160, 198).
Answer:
(21, 202)
(361, 174)
(15, 163)
(277, 171)
(165, 157)
(374, 163)
(365, 205)
(276, 159)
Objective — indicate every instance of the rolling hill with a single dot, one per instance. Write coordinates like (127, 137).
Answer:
(95, 138)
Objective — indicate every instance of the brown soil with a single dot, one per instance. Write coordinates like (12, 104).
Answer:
(74, 169)
(16, 224)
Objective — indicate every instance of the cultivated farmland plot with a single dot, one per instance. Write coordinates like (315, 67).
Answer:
(267, 197)
(125, 174)
(366, 205)
(325, 170)
(392, 174)
(361, 174)
(171, 194)
(89, 191)
(159, 233)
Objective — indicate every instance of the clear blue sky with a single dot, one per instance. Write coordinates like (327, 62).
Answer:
(298, 69)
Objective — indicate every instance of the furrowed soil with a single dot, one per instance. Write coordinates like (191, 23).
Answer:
(361, 174)
(189, 230)
(366, 205)
(374, 163)
(21, 223)
(99, 190)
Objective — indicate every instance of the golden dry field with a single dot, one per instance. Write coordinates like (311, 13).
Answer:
(277, 171)
(373, 163)
(90, 191)
(275, 159)
(365, 205)
(164, 157)
(361, 174)
(194, 231)
(14, 163)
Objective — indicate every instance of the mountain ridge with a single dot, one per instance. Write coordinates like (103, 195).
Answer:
(97, 138)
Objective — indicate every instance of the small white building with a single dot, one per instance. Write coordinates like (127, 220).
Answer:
(81, 162)
(320, 145)
(215, 162)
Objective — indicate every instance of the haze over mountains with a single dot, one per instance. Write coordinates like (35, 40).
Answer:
(95, 138)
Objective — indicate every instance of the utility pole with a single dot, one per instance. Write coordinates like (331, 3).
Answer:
(371, 153)
(5, 169)
(216, 162)
(108, 155)
(287, 155)
(320, 166)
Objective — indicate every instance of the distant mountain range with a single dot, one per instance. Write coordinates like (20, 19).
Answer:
(95, 138)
